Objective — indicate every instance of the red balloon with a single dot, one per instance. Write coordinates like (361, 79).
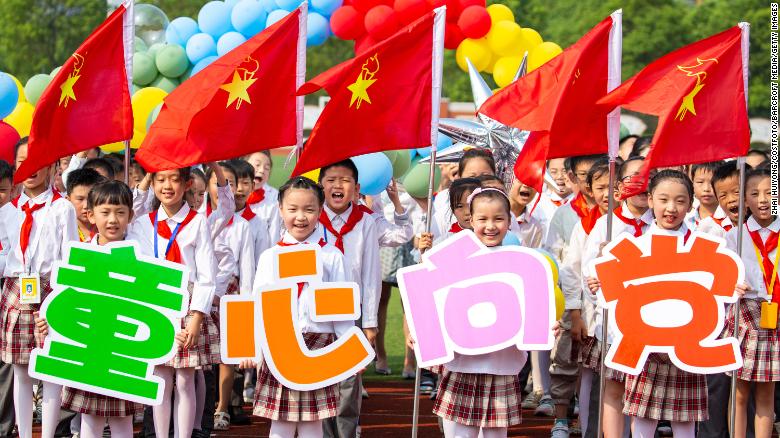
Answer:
(364, 5)
(474, 22)
(452, 36)
(466, 3)
(433, 4)
(8, 139)
(347, 23)
(410, 10)
(453, 10)
(381, 22)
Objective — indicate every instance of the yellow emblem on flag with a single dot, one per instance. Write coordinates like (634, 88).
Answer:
(687, 104)
(243, 78)
(364, 80)
(66, 89)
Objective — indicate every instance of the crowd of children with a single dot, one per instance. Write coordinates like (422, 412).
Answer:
(225, 222)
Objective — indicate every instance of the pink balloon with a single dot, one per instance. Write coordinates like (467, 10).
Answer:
(474, 21)
(347, 23)
(381, 22)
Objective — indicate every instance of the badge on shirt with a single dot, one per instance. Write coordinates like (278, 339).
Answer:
(29, 289)
(768, 315)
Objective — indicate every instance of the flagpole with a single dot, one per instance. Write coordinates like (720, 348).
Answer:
(128, 34)
(740, 221)
(613, 134)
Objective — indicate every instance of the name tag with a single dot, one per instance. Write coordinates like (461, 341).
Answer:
(30, 289)
(768, 315)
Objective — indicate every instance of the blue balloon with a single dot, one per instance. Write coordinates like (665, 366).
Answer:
(200, 46)
(214, 18)
(443, 142)
(424, 152)
(229, 41)
(231, 3)
(511, 240)
(203, 63)
(374, 172)
(325, 7)
(9, 95)
(268, 5)
(248, 17)
(180, 30)
(317, 29)
(275, 16)
(288, 5)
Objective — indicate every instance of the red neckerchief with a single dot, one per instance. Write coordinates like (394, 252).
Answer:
(283, 243)
(589, 221)
(164, 231)
(720, 222)
(365, 209)
(26, 230)
(769, 267)
(354, 217)
(635, 223)
(256, 197)
(456, 228)
(580, 205)
(83, 238)
(248, 214)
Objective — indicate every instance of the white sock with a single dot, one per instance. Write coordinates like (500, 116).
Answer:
(282, 429)
(52, 402)
(184, 402)
(23, 400)
(162, 412)
(200, 398)
(121, 427)
(643, 427)
(449, 428)
(684, 429)
(463, 431)
(310, 429)
(494, 432)
(92, 426)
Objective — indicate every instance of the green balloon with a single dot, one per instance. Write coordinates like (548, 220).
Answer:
(166, 84)
(172, 61)
(54, 72)
(402, 163)
(186, 74)
(144, 70)
(153, 116)
(416, 181)
(35, 87)
(280, 175)
(136, 88)
(391, 155)
(154, 49)
(139, 45)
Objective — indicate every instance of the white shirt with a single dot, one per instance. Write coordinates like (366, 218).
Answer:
(226, 207)
(333, 267)
(395, 233)
(754, 276)
(693, 218)
(75, 163)
(361, 259)
(711, 227)
(570, 272)
(235, 252)
(6, 211)
(560, 230)
(268, 210)
(258, 229)
(442, 214)
(195, 245)
(53, 226)
(528, 229)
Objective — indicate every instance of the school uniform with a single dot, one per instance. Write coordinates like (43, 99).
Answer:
(277, 402)
(52, 223)
(717, 227)
(393, 229)
(264, 202)
(662, 391)
(693, 218)
(549, 203)
(192, 247)
(258, 230)
(442, 214)
(562, 225)
(528, 229)
(235, 254)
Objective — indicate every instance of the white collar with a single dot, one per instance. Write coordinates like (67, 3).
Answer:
(682, 231)
(178, 217)
(332, 214)
(314, 237)
(752, 225)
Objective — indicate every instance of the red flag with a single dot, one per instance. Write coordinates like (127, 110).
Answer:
(87, 104)
(698, 93)
(557, 102)
(243, 102)
(385, 98)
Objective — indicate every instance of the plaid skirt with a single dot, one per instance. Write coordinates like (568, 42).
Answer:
(205, 352)
(85, 402)
(18, 323)
(760, 347)
(232, 289)
(590, 358)
(277, 402)
(664, 392)
(483, 400)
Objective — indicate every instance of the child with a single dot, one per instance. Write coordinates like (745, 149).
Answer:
(244, 186)
(354, 232)
(554, 195)
(300, 203)
(526, 227)
(6, 182)
(760, 346)
(80, 183)
(701, 174)
(197, 193)
(482, 393)
(725, 184)
(137, 173)
(179, 234)
(459, 192)
(110, 209)
(756, 157)
(264, 198)
(38, 230)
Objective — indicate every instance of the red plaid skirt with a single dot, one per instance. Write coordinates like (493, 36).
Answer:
(205, 352)
(90, 403)
(483, 400)
(274, 401)
(760, 347)
(590, 358)
(18, 323)
(664, 392)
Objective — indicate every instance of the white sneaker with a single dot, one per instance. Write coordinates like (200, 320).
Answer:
(559, 431)
(546, 407)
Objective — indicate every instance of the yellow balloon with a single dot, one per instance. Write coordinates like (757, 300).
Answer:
(313, 175)
(541, 54)
(113, 147)
(493, 59)
(505, 38)
(531, 37)
(22, 97)
(560, 302)
(477, 51)
(144, 101)
(21, 118)
(499, 12)
(505, 70)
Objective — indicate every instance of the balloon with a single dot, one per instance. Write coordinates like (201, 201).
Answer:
(200, 46)
(452, 36)
(392, 156)
(229, 41)
(453, 10)
(154, 49)
(165, 83)
(288, 5)
(203, 63)
(268, 5)
(8, 139)
(474, 22)
(55, 71)
(317, 29)
(153, 116)
(9, 95)
(150, 23)
(347, 23)
(135, 88)
(510, 239)
(214, 19)
(21, 118)
(113, 147)
(381, 22)
(248, 17)
(231, 3)
(466, 3)
(139, 45)
(506, 39)
(171, 61)
(143, 103)
(364, 5)
(424, 152)
(499, 12)
(401, 164)
(374, 172)
(144, 69)
(560, 302)
(443, 142)
(541, 54)
(180, 30)
(275, 16)
(325, 7)
(35, 87)
(364, 43)
(532, 37)
(410, 10)
(477, 51)
(22, 97)
(505, 70)
(416, 181)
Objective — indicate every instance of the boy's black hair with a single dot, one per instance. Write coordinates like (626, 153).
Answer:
(138, 168)
(757, 172)
(22, 141)
(485, 178)
(6, 170)
(473, 153)
(83, 177)
(117, 161)
(102, 164)
(706, 167)
(621, 168)
(226, 167)
(598, 169)
(758, 152)
(110, 192)
(459, 187)
(243, 169)
(571, 163)
(197, 173)
(726, 170)
(640, 145)
(301, 182)
(668, 174)
(344, 163)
